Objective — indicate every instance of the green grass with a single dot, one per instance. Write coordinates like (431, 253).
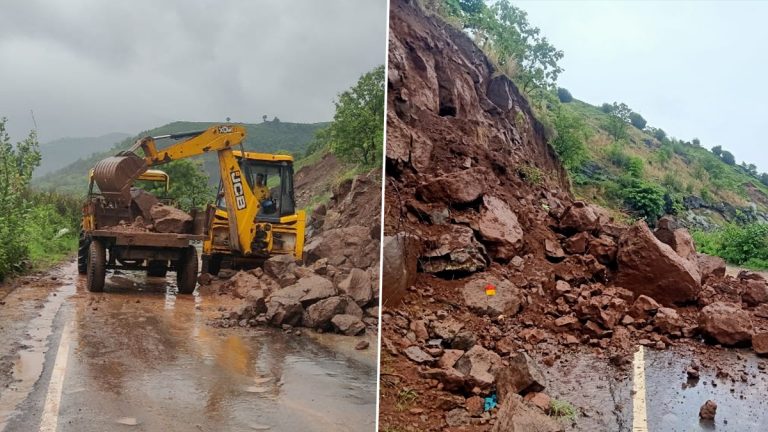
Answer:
(406, 398)
(563, 410)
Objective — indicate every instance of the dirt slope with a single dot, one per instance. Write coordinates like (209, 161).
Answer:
(487, 256)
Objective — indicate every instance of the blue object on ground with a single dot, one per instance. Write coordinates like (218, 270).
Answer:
(490, 402)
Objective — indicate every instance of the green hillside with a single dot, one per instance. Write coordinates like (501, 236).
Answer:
(270, 137)
(645, 173)
(59, 153)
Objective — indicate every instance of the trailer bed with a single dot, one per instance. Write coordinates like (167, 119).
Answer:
(149, 239)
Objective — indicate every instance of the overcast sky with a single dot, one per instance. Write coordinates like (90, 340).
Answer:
(89, 67)
(695, 69)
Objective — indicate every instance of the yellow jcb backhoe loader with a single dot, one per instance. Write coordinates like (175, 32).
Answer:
(254, 216)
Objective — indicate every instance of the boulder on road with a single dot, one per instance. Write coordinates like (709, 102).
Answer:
(726, 323)
(515, 415)
(241, 283)
(479, 366)
(319, 315)
(279, 265)
(760, 343)
(520, 377)
(755, 292)
(507, 299)
(710, 266)
(648, 266)
(358, 285)
(679, 239)
(349, 325)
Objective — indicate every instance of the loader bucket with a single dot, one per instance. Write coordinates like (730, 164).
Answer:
(115, 175)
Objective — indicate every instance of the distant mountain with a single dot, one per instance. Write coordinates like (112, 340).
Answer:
(59, 153)
(268, 137)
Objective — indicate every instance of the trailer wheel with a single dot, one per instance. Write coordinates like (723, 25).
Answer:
(186, 271)
(82, 253)
(97, 266)
(157, 268)
(211, 264)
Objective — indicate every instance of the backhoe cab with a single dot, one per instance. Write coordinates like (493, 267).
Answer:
(279, 226)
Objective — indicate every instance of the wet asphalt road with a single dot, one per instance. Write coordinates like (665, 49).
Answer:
(139, 358)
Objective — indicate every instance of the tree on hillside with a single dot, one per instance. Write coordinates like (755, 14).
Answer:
(659, 134)
(503, 29)
(569, 143)
(357, 131)
(606, 108)
(728, 158)
(696, 142)
(275, 120)
(618, 116)
(637, 120)
(564, 95)
(264, 118)
(717, 150)
(764, 178)
(752, 169)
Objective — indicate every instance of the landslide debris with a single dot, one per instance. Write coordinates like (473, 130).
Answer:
(335, 289)
(492, 273)
(153, 216)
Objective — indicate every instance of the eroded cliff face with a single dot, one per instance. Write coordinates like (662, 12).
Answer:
(487, 254)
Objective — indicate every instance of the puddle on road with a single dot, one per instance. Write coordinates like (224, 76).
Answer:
(674, 401)
(31, 357)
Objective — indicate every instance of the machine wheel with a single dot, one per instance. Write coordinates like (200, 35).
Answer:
(186, 271)
(157, 268)
(211, 264)
(82, 253)
(97, 266)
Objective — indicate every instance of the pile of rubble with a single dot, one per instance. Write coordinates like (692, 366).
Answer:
(154, 216)
(286, 295)
(490, 261)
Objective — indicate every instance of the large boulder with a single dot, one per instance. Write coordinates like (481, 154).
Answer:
(507, 299)
(241, 284)
(726, 323)
(521, 376)
(319, 315)
(400, 255)
(167, 219)
(358, 285)
(479, 366)
(755, 292)
(460, 187)
(710, 266)
(352, 246)
(760, 343)
(499, 229)
(279, 265)
(648, 266)
(580, 216)
(455, 250)
(679, 239)
(307, 290)
(349, 325)
(142, 202)
(514, 415)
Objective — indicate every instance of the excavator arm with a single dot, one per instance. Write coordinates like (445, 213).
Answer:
(114, 175)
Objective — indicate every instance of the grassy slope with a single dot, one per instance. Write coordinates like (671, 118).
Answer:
(684, 173)
(264, 137)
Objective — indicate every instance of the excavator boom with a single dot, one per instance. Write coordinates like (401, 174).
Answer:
(115, 175)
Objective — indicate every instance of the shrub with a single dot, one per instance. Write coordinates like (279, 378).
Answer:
(717, 150)
(637, 120)
(635, 166)
(572, 133)
(659, 134)
(644, 198)
(617, 156)
(737, 244)
(564, 95)
(728, 158)
(606, 108)
(696, 142)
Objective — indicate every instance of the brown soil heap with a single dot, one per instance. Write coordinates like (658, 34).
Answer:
(490, 262)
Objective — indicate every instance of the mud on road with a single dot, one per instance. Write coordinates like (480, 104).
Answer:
(138, 357)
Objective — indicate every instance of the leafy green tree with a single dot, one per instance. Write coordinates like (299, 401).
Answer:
(637, 120)
(618, 116)
(570, 139)
(752, 169)
(659, 134)
(606, 108)
(696, 142)
(764, 178)
(357, 131)
(503, 29)
(264, 118)
(728, 158)
(717, 150)
(644, 198)
(188, 184)
(635, 167)
(564, 95)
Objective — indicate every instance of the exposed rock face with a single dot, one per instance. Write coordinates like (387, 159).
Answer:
(169, 219)
(499, 227)
(648, 266)
(726, 323)
(457, 250)
(399, 269)
(507, 299)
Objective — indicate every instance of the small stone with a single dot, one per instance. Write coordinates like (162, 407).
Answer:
(363, 344)
(708, 410)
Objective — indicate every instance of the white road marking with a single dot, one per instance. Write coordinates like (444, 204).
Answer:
(639, 413)
(50, 419)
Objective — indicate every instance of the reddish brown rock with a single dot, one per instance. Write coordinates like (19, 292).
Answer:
(400, 261)
(499, 229)
(643, 307)
(648, 266)
(540, 400)
(755, 292)
(760, 343)
(475, 406)
(479, 366)
(167, 219)
(710, 266)
(577, 244)
(521, 376)
(553, 250)
(579, 217)
(668, 321)
(679, 239)
(507, 299)
(708, 410)
(726, 323)
(603, 248)
(456, 249)
(515, 415)
(460, 187)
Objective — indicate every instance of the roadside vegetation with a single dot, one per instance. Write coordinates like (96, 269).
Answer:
(742, 245)
(36, 228)
(614, 157)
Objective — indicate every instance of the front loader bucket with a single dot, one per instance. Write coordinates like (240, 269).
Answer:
(115, 175)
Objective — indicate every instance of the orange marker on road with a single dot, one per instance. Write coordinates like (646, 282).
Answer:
(490, 290)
